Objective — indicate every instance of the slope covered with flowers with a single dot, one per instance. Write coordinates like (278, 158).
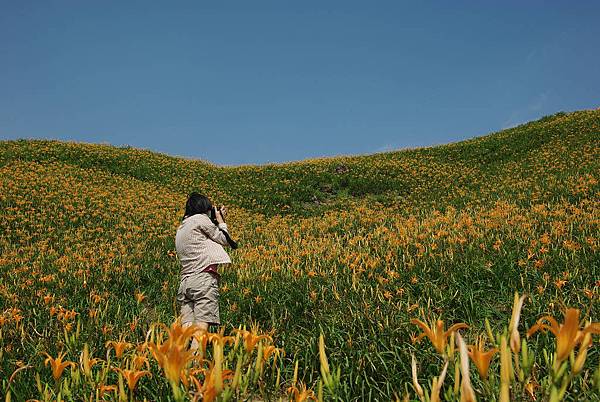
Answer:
(353, 248)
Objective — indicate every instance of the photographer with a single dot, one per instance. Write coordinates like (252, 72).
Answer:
(199, 243)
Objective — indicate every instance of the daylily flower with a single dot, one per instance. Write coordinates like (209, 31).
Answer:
(138, 360)
(251, 339)
(272, 350)
(530, 388)
(119, 346)
(300, 393)
(173, 355)
(140, 296)
(103, 388)
(568, 334)
(436, 334)
(86, 361)
(481, 358)
(132, 376)
(220, 338)
(214, 377)
(58, 365)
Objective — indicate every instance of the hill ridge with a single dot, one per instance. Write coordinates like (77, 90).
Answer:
(309, 187)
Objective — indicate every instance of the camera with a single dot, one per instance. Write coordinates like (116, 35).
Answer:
(213, 214)
(213, 218)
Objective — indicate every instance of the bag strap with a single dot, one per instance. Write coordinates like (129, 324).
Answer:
(231, 242)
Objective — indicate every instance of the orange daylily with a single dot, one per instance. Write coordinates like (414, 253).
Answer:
(86, 362)
(300, 393)
(103, 388)
(481, 358)
(530, 388)
(137, 361)
(58, 365)
(568, 334)
(272, 350)
(436, 334)
(220, 337)
(173, 355)
(215, 377)
(132, 376)
(119, 346)
(213, 381)
(140, 296)
(251, 339)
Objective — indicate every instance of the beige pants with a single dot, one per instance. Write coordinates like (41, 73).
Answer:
(198, 298)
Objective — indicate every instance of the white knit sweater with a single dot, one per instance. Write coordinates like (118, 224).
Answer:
(199, 243)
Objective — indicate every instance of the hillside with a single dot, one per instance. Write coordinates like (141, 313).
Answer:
(459, 173)
(353, 247)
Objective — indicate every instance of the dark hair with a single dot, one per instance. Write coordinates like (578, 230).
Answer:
(196, 204)
(200, 204)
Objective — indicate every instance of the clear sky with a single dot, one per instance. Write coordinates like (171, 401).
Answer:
(252, 82)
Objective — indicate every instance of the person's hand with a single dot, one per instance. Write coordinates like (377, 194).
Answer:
(221, 213)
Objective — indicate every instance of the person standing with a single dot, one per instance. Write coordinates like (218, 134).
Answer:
(199, 242)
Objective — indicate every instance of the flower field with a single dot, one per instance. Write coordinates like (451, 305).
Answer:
(464, 271)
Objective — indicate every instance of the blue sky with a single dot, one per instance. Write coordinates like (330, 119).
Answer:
(253, 82)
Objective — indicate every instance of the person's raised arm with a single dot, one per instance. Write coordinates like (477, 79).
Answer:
(213, 231)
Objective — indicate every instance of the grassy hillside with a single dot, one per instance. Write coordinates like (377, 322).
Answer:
(351, 247)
